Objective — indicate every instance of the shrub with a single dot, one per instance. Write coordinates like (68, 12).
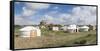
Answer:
(88, 35)
(80, 42)
(76, 42)
(83, 41)
(17, 35)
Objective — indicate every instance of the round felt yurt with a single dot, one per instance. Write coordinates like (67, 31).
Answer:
(64, 28)
(30, 31)
(72, 28)
(83, 28)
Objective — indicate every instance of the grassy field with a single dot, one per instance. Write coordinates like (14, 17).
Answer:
(56, 39)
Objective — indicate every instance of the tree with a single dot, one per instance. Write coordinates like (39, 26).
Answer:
(43, 22)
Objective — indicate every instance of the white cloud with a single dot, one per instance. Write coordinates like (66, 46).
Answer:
(52, 13)
(24, 17)
(17, 2)
(27, 12)
(86, 15)
(64, 17)
(55, 7)
(37, 5)
(47, 17)
(81, 15)
(51, 19)
(78, 15)
(30, 8)
(22, 21)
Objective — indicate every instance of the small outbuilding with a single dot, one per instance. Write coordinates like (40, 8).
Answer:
(83, 28)
(55, 28)
(30, 31)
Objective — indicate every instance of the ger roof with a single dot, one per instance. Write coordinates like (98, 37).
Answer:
(84, 27)
(28, 28)
(72, 26)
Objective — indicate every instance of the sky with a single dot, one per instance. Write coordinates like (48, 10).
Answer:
(27, 13)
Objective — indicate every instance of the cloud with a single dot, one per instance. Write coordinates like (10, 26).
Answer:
(55, 7)
(84, 15)
(48, 17)
(52, 13)
(81, 15)
(52, 19)
(17, 2)
(22, 21)
(28, 11)
(37, 5)
(25, 17)
(31, 8)
(78, 15)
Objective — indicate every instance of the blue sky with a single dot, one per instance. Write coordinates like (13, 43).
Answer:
(32, 13)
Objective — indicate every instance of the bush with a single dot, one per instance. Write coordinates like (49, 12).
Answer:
(83, 41)
(88, 35)
(76, 42)
(80, 42)
(17, 35)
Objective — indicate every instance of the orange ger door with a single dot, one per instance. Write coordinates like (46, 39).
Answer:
(33, 33)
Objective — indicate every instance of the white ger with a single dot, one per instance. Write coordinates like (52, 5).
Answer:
(72, 28)
(30, 31)
(83, 28)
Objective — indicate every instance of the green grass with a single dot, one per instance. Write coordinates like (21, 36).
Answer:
(51, 38)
